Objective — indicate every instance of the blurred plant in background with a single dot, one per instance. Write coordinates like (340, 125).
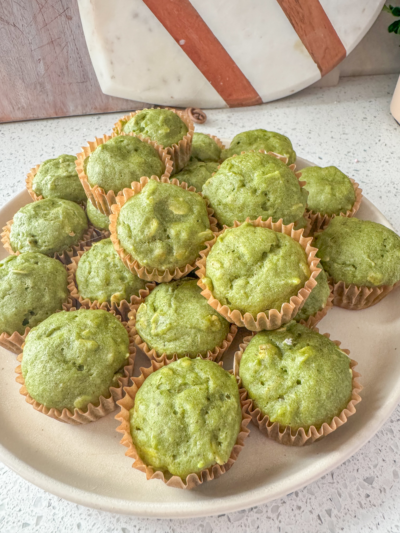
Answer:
(395, 11)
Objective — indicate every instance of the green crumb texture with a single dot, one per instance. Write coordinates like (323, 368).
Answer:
(32, 287)
(48, 226)
(186, 417)
(160, 125)
(317, 298)
(196, 173)
(73, 358)
(359, 251)
(205, 149)
(97, 218)
(296, 376)
(176, 319)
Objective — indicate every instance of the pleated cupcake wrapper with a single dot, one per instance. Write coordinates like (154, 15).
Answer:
(320, 222)
(180, 153)
(97, 195)
(134, 266)
(350, 296)
(214, 355)
(92, 412)
(192, 480)
(120, 306)
(313, 320)
(300, 437)
(29, 182)
(273, 318)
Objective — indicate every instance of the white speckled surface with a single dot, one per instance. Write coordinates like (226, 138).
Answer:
(349, 126)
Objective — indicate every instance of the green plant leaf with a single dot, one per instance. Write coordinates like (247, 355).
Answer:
(394, 27)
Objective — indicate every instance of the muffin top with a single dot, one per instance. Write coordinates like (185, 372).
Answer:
(164, 226)
(160, 125)
(118, 162)
(204, 148)
(73, 358)
(254, 269)
(102, 276)
(32, 287)
(186, 417)
(196, 173)
(330, 192)
(270, 141)
(317, 298)
(359, 251)
(97, 218)
(58, 178)
(176, 319)
(48, 226)
(296, 376)
(253, 185)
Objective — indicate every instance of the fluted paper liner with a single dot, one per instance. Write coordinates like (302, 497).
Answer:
(92, 412)
(192, 480)
(300, 437)
(97, 195)
(180, 153)
(313, 320)
(319, 222)
(273, 318)
(355, 298)
(214, 355)
(29, 181)
(134, 266)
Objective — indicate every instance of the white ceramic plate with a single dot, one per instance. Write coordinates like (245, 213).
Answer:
(87, 464)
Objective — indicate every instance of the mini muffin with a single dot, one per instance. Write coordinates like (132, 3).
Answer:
(255, 185)
(330, 192)
(121, 160)
(359, 252)
(101, 276)
(296, 377)
(255, 269)
(196, 173)
(73, 358)
(32, 287)
(270, 141)
(96, 217)
(163, 226)
(317, 299)
(176, 319)
(160, 125)
(186, 417)
(205, 148)
(48, 226)
(58, 178)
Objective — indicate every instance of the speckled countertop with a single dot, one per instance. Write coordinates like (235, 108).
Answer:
(349, 126)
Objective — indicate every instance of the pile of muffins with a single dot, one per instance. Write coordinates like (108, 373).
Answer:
(161, 238)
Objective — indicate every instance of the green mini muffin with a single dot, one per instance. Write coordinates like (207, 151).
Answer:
(317, 298)
(160, 125)
(296, 376)
(186, 417)
(102, 276)
(32, 287)
(73, 358)
(359, 251)
(96, 217)
(270, 141)
(196, 173)
(330, 192)
(58, 178)
(176, 319)
(255, 269)
(164, 226)
(48, 226)
(118, 162)
(205, 149)
(255, 185)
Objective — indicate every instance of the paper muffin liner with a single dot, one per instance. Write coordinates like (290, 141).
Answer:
(313, 320)
(92, 412)
(134, 266)
(97, 195)
(180, 153)
(273, 318)
(319, 222)
(355, 298)
(214, 355)
(29, 181)
(192, 480)
(300, 437)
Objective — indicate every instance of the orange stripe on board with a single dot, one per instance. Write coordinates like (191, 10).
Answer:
(199, 43)
(316, 32)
